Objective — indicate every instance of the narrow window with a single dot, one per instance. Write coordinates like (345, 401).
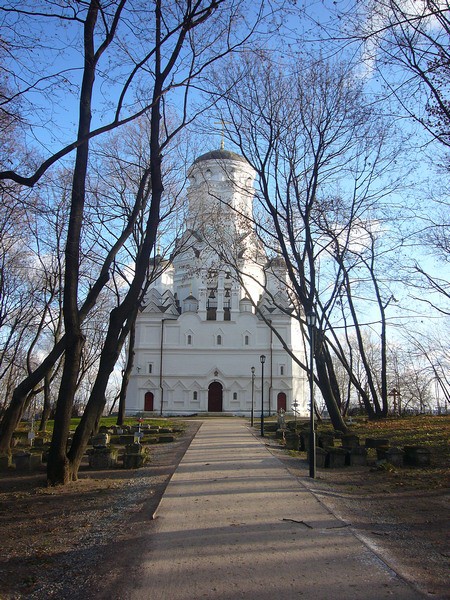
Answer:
(189, 340)
(234, 395)
(219, 340)
(281, 369)
(194, 396)
(246, 340)
(150, 368)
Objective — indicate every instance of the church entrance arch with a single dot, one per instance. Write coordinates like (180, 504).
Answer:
(215, 397)
(148, 402)
(281, 401)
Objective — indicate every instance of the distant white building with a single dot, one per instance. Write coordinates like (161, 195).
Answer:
(199, 334)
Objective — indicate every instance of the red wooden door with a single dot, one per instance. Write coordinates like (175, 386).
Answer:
(148, 402)
(215, 394)
(281, 401)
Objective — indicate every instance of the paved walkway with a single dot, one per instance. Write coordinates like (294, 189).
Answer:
(234, 523)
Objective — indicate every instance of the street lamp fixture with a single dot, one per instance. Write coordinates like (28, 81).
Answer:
(262, 358)
(311, 322)
(253, 394)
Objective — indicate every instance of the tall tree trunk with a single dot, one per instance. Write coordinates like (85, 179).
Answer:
(127, 310)
(126, 375)
(57, 466)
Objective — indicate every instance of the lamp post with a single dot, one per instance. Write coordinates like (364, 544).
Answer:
(311, 322)
(253, 394)
(262, 358)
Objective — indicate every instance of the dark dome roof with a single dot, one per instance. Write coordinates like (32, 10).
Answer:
(220, 155)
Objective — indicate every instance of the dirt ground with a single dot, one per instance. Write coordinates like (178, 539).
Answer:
(403, 515)
(66, 542)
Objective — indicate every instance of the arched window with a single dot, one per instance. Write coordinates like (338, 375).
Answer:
(246, 340)
(219, 340)
(189, 340)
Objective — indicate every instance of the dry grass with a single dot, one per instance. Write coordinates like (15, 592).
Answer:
(432, 432)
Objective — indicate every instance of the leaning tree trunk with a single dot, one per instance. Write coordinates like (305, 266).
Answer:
(47, 405)
(325, 376)
(14, 412)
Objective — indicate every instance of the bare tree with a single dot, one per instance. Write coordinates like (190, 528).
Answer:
(312, 139)
(405, 43)
(177, 46)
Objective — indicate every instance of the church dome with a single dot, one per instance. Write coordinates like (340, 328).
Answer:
(220, 155)
(245, 304)
(190, 304)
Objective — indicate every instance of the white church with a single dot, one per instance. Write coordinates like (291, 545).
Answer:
(208, 334)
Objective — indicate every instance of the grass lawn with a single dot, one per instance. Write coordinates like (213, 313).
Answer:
(106, 421)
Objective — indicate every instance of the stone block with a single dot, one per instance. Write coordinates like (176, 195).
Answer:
(350, 440)
(100, 440)
(22, 461)
(325, 440)
(376, 442)
(395, 456)
(382, 452)
(417, 456)
(304, 441)
(40, 440)
(35, 460)
(356, 457)
(335, 458)
(126, 439)
(133, 461)
(103, 458)
(165, 439)
(292, 440)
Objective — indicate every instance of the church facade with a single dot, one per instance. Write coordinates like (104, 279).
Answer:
(215, 333)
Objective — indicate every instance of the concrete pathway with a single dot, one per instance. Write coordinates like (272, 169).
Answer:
(234, 523)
